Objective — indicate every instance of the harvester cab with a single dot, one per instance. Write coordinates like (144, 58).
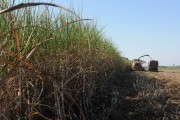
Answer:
(137, 64)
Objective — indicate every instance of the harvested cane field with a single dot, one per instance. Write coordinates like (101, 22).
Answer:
(61, 66)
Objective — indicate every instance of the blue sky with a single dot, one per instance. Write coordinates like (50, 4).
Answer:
(136, 27)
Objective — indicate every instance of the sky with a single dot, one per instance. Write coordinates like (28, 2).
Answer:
(136, 27)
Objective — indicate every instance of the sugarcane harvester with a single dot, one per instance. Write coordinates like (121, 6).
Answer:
(137, 64)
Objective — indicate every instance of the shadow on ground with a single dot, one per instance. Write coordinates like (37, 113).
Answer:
(134, 96)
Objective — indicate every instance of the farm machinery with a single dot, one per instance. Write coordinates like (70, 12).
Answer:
(137, 64)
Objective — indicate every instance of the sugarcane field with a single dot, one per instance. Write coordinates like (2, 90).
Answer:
(89, 60)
